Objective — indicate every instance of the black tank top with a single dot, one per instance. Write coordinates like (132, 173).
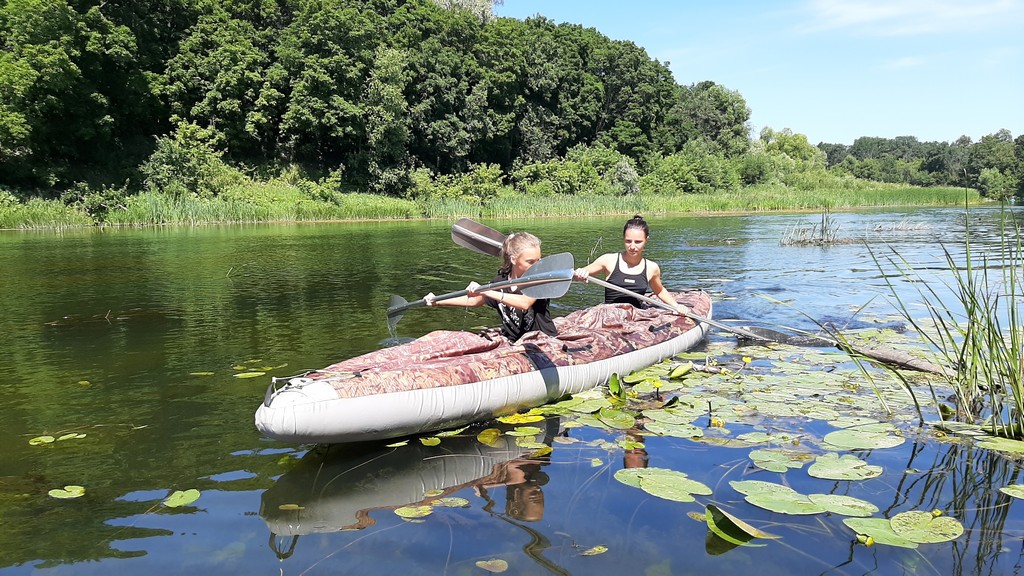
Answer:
(515, 322)
(636, 283)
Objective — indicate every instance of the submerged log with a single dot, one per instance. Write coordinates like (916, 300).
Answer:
(895, 358)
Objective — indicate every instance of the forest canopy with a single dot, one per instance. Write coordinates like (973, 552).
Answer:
(405, 99)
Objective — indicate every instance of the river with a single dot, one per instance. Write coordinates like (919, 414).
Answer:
(132, 339)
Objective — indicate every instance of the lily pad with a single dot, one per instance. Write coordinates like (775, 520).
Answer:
(489, 437)
(1015, 490)
(1002, 444)
(180, 498)
(67, 492)
(832, 466)
(40, 440)
(594, 551)
(616, 419)
(494, 566)
(925, 527)
(663, 483)
(430, 441)
(522, 418)
(249, 374)
(778, 460)
(451, 502)
(677, 430)
(844, 505)
(729, 527)
(863, 438)
(408, 512)
(880, 530)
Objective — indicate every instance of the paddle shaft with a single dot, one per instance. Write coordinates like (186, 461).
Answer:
(528, 286)
(665, 306)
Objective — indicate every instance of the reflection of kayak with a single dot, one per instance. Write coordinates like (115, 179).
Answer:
(448, 379)
(332, 488)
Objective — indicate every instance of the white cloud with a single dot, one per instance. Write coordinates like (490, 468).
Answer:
(913, 17)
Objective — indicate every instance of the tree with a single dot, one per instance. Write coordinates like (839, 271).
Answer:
(712, 113)
(794, 146)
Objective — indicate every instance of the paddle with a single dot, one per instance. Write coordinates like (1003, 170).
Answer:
(549, 277)
(480, 238)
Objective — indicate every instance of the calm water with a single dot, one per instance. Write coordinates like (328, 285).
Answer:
(102, 331)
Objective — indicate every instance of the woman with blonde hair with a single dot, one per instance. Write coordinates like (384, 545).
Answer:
(519, 313)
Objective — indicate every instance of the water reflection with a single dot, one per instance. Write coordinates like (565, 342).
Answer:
(351, 487)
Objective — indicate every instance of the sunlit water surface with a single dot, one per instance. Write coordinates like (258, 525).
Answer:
(103, 332)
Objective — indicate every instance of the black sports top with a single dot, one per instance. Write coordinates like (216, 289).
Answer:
(516, 322)
(636, 283)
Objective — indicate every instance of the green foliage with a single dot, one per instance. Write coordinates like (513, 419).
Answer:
(693, 170)
(188, 164)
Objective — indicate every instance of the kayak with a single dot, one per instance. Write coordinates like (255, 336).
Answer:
(448, 379)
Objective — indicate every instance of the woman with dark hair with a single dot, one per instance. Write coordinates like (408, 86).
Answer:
(629, 269)
(519, 313)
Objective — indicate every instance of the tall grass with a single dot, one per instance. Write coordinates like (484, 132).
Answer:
(38, 213)
(982, 340)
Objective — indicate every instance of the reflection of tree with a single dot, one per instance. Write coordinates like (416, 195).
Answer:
(962, 481)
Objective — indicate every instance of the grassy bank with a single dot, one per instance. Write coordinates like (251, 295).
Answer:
(278, 202)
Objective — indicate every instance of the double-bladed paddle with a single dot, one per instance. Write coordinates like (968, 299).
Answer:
(479, 238)
(549, 277)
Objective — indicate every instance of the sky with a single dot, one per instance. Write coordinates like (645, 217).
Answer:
(833, 70)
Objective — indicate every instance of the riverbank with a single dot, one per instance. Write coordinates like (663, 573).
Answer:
(283, 203)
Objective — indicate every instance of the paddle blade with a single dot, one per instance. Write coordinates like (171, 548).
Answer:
(477, 237)
(396, 309)
(549, 277)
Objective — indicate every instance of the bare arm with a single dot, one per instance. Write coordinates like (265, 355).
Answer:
(603, 263)
(659, 290)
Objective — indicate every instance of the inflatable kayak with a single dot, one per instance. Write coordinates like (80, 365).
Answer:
(449, 379)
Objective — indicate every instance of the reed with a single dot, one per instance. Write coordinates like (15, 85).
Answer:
(38, 213)
(982, 340)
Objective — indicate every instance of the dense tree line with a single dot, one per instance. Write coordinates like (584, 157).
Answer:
(408, 98)
(369, 90)
(994, 164)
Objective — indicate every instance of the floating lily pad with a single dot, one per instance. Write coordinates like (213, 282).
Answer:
(594, 551)
(495, 566)
(524, 431)
(40, 440)
(249, 374)
(616, 419)
(832, 466)
(67, 492)
(879, 530)
(288, 507)
(681, 370)
(863, 438)
(489, 437)
(397, 444)
(775, 497)
(731, 528)
(596, 462)
(1015, 490)
(843, 505)
(180, 498)
(1002, 445)
(925, 527)
(71, 436)
(450, 433)
(451, 502)
(414, 511)
(779, 460)
(200, 373)
(430, 441)
(663, 483)
(686, 430)
(522, 418)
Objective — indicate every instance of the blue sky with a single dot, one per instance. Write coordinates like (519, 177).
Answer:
(833, 70)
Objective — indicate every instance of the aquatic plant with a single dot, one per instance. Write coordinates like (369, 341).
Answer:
(981, 340)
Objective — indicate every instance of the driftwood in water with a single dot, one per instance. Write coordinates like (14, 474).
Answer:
(883, 355)
(895, 358)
